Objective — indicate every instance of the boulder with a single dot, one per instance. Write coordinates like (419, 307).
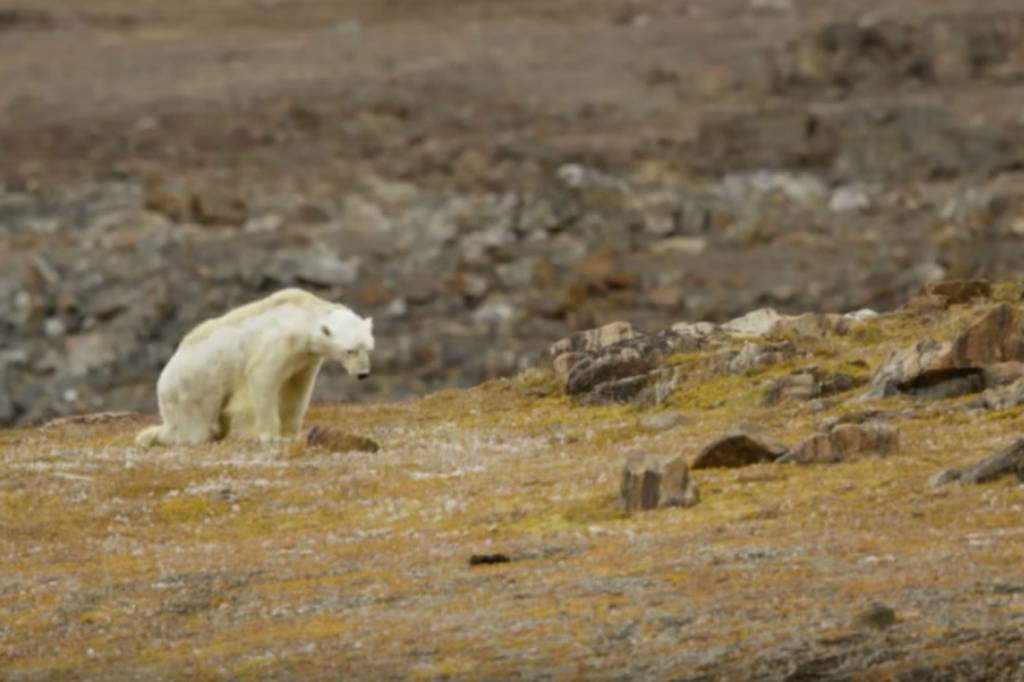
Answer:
(931, 369)
(656, 481)
(588, 374)
(737, 450)
(846, 441)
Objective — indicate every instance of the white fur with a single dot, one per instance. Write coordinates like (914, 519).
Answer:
(250, 372)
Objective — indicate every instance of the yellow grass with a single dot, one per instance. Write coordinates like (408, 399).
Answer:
(238, 561)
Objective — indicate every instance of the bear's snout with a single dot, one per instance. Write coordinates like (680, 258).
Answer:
(362, 375)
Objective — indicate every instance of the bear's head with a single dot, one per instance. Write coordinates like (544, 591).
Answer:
(344, 336)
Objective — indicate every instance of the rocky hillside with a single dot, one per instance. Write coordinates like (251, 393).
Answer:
(812, 497)
(670, 162)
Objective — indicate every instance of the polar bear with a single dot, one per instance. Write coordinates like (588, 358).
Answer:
(250, 372)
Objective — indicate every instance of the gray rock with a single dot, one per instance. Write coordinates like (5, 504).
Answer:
(1008, 461)
(312, 266)
(930, 369)
(846, 441)
(808, 384)
(944, 477)
(1000, 398)
(594, 339)
(849, 198)
(754, 357)
(697, 330)
(54, 327)
(756, 323)
(656, 481)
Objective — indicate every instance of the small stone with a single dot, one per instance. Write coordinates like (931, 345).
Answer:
(653, 482)
(397, 308)
(54, 327)
(692, 246)
(754, 357)
(944, 477)
(266, 223)
(662, 421)
(213, 206)
(813, 325)
(737, 450)
(849, 198)
(808, 384)
(488, 559)
(862, 315)
(959, 291)
(697, 330)
(756, 323)
(876, 616)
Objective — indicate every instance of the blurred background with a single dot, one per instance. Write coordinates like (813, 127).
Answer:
(484, 176)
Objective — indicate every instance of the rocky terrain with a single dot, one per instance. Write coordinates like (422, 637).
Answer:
(484, 178)
(778, 497)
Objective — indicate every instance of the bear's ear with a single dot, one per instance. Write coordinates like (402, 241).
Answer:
(325, 330)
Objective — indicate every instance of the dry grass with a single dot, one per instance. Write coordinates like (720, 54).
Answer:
(237, 561)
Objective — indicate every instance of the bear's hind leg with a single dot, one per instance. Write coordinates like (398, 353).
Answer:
(190, 422)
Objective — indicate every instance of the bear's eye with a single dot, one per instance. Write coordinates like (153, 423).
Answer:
(325, 330)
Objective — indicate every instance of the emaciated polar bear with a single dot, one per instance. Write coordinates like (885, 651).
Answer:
(250, 372)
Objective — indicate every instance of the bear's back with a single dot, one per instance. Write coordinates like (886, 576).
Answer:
(294, 297)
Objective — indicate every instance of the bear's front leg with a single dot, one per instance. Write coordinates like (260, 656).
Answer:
(250, 416)
(254, 410)
(294, 399)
